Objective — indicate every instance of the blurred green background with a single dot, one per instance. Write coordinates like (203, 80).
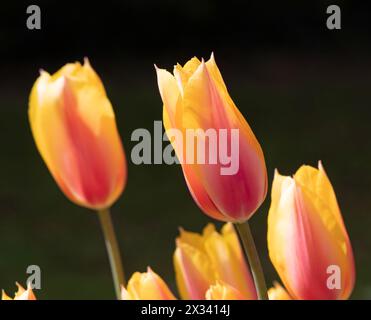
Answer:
(304, 90)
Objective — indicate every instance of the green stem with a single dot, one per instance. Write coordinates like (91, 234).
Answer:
(248, 244)
(112, 250)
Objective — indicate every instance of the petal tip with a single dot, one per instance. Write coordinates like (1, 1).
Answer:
(86, 61)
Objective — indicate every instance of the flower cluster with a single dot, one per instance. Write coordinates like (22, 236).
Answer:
(74, 128)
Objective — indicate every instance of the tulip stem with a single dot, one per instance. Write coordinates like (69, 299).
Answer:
(112, 250)
(248, 244)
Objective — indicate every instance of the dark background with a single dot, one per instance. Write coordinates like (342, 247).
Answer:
(304, 89)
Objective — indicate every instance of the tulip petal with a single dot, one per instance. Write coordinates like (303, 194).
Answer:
(21, 293)
(225, 254)
(182, 74)
(193, 272)
(277, 292)
(146, 286)
(223, 291)
(170, 95)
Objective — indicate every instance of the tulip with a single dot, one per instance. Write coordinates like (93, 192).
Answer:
(73, 124)
(146, 286)
(195, 97)
(307, 239)
(202, 260)
(21, 294)
(277, 292)
(74, 128)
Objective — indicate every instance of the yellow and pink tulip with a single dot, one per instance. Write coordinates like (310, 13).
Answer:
(202, 260)
(74, 128)
(196, 97)
(307, 237)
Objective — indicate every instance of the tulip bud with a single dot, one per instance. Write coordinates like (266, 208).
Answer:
(146, 286)
(74, 128)
(277, 292)
(223, 291)
(307, 240)
(21, 294)
(196, 98)
(202, 260)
